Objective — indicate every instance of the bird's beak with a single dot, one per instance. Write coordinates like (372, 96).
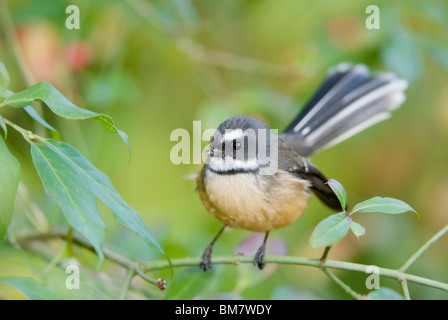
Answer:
(210, 153)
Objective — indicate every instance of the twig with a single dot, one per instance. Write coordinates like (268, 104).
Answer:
(197, 52)
(109, 253)
(146, 10)
(338, 281)
(420, 251)
(344, 286)
(160, 283)
(414, 257)
(141, 268)
(404, 287)
(233, 61)
(127, 283)
(332, 264)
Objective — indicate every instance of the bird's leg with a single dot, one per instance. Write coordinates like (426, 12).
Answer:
(206, 262)
(259, 256)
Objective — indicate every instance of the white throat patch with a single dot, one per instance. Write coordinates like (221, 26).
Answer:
(219, 164)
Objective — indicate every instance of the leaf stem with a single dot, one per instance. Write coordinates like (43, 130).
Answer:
(14, 126)
(325, 254)
(29, 136)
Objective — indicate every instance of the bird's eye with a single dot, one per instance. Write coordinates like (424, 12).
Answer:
(236, 145)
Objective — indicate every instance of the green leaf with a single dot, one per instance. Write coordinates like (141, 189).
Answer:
(339, 190)
(403, 54)
(186, 10)
(5, 78)
(384, 205)
(190, 284)
(66, 186)
(289, 292)
(3, 126)
(31, 288)
(330, 230)
(60, 105)
(9, 182)
(32, 113)
(438, 53)
(385, 294)
(6, 94)
(24, 272)
(36, 116)
(98, 184)
(357, 229)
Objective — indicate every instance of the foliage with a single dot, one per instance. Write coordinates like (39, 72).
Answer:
(68, 177)
(332, 229)
(157, 65)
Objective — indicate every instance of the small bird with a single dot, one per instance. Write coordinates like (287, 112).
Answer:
(232, 185)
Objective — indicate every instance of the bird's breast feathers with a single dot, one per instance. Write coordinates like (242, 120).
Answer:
(252, 202)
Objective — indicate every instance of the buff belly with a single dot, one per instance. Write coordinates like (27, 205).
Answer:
(249, 202)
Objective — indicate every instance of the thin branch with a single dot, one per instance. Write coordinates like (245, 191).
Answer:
(338, 281)
(109, 254)
(143, 267)
(56, 259)
(127, 283)
(332, 264)
(345, 287)
(147, 11)
(160, 283)
(404, 287)
(212, 57)
(420, 251)
(234, 61)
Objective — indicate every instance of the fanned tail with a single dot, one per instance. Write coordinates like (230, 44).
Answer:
(348, 101)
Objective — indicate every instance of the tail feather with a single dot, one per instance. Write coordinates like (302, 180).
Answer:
(349, 101)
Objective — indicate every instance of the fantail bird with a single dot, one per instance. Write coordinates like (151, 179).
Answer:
(234, 189)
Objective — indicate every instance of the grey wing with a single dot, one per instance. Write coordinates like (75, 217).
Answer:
(290, 160)
(321, 189)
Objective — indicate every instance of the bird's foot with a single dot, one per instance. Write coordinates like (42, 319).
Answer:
(259, 257)
(206, 259)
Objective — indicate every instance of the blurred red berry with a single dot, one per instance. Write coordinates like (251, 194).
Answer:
(78, 55)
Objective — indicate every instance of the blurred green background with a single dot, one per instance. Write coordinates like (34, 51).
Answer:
(155, 66)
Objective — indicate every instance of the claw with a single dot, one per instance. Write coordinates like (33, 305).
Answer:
(206, 259)
(259, 257)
